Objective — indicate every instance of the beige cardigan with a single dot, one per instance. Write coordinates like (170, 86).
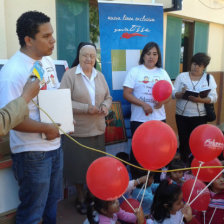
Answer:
(12, 114)
(86, 124)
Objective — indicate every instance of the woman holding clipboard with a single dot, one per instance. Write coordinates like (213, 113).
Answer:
(192, 91)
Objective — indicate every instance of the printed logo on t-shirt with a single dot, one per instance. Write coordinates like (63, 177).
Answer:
(147, 80)
(44, 83)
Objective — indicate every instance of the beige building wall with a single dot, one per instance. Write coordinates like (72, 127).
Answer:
(12, 9)
(216, 47)
(196, 11)
(3, 47)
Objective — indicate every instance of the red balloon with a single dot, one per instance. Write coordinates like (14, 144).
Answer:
(202, 202)
(154, 144)
(107, 178)
(206, 174)
(161, 90)
(206, 142)
(126, 207)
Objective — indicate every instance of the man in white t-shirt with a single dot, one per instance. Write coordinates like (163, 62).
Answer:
(37, 162)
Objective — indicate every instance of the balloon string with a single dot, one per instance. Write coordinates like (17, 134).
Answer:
(206, 186)
(212, 215)
(204, 215)
(189, 198)
(140, 191)
(146, 182)
(128, 203)
(106, 153)
(196, 177)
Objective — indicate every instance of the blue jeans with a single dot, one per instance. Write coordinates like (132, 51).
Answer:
(39, 175)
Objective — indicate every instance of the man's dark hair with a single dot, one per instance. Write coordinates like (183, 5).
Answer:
(201, 59)
(28, 25)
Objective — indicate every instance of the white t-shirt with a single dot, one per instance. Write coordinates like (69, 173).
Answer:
(13, 77)
(174, 219)
(141, 80)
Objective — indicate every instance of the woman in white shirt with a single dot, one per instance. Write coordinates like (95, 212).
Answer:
(190, 112)
(137, 89)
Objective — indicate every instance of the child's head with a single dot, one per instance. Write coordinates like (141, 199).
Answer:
(124, 156)
(137, 173)
(107, 208)
(218, 185)
(176, 175)
(168, 200)
(177, 156)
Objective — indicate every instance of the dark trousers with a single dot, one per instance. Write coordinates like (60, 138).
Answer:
(185, 126)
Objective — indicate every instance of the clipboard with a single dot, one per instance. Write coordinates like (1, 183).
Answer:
(58, 104)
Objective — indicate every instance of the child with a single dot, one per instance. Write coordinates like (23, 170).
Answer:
(163, 174)
(124, 156)
(168, 206)
(110, 212)
(176, 177)
(132, 183)
(137, 193)
(217, 202)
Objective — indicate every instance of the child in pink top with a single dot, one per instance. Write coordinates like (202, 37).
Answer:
(110, 212)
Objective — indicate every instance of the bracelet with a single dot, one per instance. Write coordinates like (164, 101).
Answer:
(138, 181)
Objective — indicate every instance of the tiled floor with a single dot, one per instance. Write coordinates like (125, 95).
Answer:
(67, 213)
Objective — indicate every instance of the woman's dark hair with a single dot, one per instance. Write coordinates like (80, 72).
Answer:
(81, 44)
(146, 49)
(165, 196)
(28, 25)
(96, 205)
(201, 59)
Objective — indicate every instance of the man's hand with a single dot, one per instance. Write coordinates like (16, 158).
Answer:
(51, 132)
(30, 90)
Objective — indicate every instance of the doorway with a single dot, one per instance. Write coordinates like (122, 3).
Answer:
(187, 43)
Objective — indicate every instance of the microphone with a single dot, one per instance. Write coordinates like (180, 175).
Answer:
(37, 72)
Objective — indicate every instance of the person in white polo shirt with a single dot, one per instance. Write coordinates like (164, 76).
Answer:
(37, 162)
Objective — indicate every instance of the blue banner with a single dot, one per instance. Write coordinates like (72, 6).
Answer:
(124, 31)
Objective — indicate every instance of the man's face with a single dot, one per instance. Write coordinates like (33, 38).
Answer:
(43, 43)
